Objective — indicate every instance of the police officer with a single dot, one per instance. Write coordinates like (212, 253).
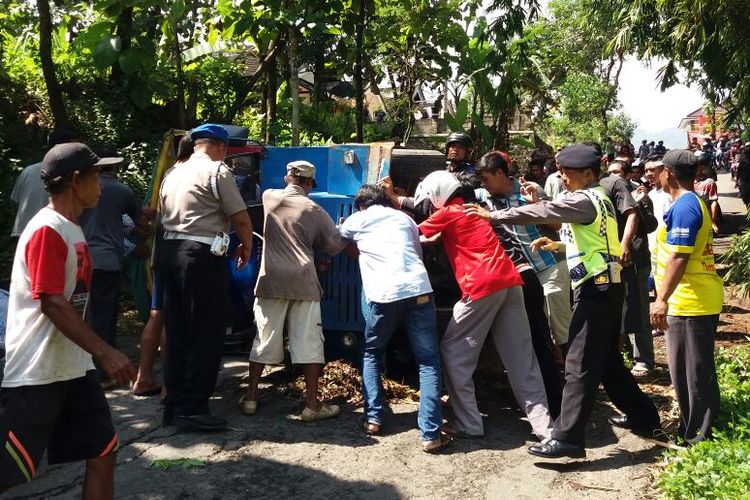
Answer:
(589, 235)
(198, 199)
(458, 149)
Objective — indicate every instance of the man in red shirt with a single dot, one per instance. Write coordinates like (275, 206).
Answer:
(491, 303)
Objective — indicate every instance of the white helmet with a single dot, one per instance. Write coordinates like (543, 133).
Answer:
(436, 187)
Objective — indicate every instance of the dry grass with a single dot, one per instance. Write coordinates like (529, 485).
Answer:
(343, 382)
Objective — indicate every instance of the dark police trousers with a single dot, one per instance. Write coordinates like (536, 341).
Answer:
(196, 307)
(594, 357)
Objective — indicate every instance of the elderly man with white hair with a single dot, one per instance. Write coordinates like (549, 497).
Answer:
(288, 291)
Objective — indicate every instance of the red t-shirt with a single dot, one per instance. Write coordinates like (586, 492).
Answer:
(478, 261)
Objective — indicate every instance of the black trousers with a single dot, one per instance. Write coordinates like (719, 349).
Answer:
(631, 321)
(533, 297)
(690, 354)
(594, 357)
(196, 305)
(103, 304)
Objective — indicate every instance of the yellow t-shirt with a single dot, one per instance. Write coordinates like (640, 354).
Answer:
(688, 230)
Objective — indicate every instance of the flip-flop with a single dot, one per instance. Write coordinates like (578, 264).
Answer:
(150, 392)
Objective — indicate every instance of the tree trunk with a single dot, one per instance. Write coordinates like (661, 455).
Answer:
(271, 89)
(56, 102)
(180, 83)
(358, 85)
(713, 116)
(263, 67)
(474, 100)
(372, 81)
(192, 104)
(502, 136)
(394, 87)
(613, 90)
(294, 83)
(319, 72)
(264, 112)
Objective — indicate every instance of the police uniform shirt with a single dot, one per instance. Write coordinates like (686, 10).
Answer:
(188, 203)
(570, 207)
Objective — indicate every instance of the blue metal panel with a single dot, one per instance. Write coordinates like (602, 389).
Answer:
(347, 179)
(273, 167)
(342, 285)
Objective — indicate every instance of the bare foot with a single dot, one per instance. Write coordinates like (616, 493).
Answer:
(143, 388)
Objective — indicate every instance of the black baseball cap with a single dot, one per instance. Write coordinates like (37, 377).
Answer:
(682, 162)
(677, 158)
(579, 156)
(64, 159)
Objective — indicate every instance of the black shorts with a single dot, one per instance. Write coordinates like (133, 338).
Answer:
(69, 419)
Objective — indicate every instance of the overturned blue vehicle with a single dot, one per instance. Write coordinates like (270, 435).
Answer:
(341, 170)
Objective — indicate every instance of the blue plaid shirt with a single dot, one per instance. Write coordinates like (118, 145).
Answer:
(525, 234)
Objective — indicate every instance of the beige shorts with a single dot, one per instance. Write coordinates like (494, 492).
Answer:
(304, 327)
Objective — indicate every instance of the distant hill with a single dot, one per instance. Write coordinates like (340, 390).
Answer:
(674, 138)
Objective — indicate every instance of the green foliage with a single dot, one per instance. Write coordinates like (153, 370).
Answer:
(714, 469)
(455, 121)
(115, 121)
(219, 78)
(738, 264)
(184, 463)
(322, 124)
(718, 468)
(733, 371)
(583, 109)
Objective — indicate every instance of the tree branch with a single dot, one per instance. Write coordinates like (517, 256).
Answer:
(242, 93)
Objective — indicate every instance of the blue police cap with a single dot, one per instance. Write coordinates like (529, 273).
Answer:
(210, 131)
(579, 156)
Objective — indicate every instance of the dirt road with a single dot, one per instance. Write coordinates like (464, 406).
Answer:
(274, 455)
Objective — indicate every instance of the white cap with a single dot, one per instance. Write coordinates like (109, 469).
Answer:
(301, 168)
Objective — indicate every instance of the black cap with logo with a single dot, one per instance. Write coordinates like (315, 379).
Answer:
(64, 159)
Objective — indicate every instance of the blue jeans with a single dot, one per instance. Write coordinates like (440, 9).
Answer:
(419, 319)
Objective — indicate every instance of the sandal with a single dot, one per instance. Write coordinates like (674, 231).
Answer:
(370, 428)
(325, 412)
(436, 445)
(148, 392)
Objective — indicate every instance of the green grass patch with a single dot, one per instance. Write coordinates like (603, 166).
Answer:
(719, 468)
(169, 463)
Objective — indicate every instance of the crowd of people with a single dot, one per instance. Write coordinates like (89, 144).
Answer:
(588, 224)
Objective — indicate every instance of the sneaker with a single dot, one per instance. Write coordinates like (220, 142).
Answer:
(458, 433)
(325, 412)
(640, 369)
(436, 445)
(248, 407)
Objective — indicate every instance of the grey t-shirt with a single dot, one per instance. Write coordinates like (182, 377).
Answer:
(102, 225)
(30, 195)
